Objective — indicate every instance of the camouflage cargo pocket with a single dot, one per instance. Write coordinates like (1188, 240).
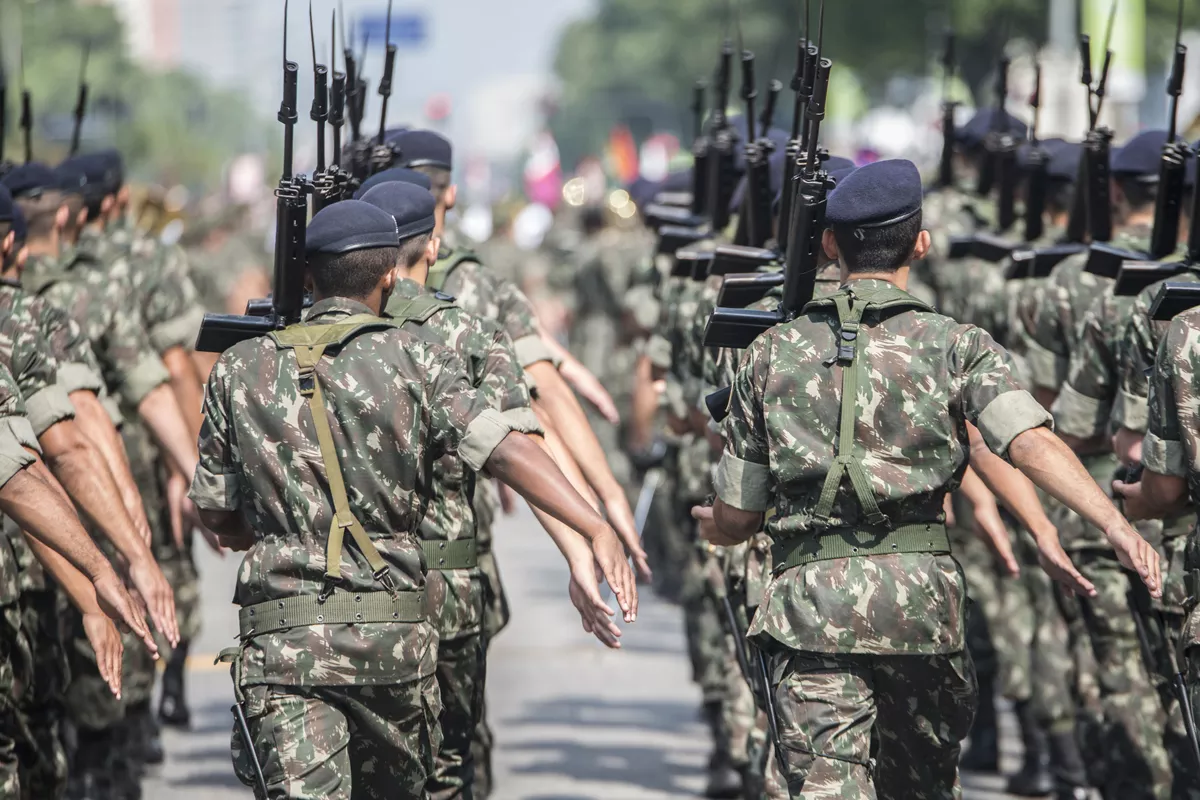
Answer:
(254, 707)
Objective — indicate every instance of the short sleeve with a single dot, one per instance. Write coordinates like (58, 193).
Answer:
(1083, 405)
(988, 392)
(1170, 445)
(216, 486)
(743, 477)
(16, 434)
(1136, 358)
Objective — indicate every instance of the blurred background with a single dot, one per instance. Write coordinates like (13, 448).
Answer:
(535, 92)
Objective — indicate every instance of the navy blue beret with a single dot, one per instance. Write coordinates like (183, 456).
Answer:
(989, 120)
(394, 174)
(1141, 155)
(30, 178)
(411, 206)
(841, 173)
(348, 226)
(19, 226)
(7, 206)
(391, 134)
(424, 149)
(114, 169)
(879, 194)
(78, 176)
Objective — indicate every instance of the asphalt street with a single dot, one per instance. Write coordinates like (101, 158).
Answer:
(573, 721)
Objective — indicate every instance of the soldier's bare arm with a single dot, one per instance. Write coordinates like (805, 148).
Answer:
(989, 526)
(185, 383)
(161, 413)
(93, 420)
(584, 382)
(1050, 464)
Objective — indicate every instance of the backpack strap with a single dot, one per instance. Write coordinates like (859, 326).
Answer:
(420, 308)
(309, 343)
(440, 272)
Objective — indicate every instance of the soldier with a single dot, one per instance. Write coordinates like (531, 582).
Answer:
(892, 670)
(359, 713)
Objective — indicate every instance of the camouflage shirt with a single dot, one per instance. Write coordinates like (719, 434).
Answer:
(16, 434)
(33, 365)
(927, 376)
(396, 405)
(99, 301)
(1172, 443)
(493, 371)
(78, 369)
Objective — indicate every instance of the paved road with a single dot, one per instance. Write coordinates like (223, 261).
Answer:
(574, 721)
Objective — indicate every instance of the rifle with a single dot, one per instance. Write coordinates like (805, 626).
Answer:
(1091, 212)
(81, 101)
(219, 332)
(353, 88)
(802, 85)
(722, 170)
(323, 181)
(737, 328)
(754, 221)
(700, 154)
(1035, 195)
(946, 167)
(1173, 166)
(383, 156)
(26, 110)
(988, 168)
(1174, 298)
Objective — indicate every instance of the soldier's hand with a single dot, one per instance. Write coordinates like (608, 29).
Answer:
(177, 499)
(990, 528)
(621, 518)
(610, 556)
(594, 613)
(106, 641)
(1057, 564)
(156, 593)
(709, 530)
(1137, 554)
(120, 607)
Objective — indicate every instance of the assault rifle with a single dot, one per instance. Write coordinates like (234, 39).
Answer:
(81, 100)
(1172, 169)
(946, 167)
(219, 332)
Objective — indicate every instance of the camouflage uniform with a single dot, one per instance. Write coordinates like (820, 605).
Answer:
(867, 647)
(16, 434)
(459, 273)
(456, 592)
(358, 712)
(1170, 448)
(1123, 718)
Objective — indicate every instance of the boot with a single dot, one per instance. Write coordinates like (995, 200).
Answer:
(173, 709)
(1067, 767)
(146, 734)
(1033, 779)
(724, 780)
(983, 750)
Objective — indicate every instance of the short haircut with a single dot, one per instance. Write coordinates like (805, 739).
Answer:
(40, 211)
(353, 274)
(882, 249)
(439, 179)
(1140, 193)
(412, 249)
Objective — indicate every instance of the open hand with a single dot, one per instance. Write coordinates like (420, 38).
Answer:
(610, 557)
(120, 607)
(621, 519)
(106, 641)
(595, 615)
(989, 527)
(1058, 565)
(1137, 554)
(149, 581)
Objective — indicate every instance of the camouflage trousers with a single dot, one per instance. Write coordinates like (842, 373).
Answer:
(42, 749)
(1134, 723)
(865, 726)
(495, 617)
(1044, 644)
(666, 538)
(461, 669)
(990, 636)
(341, 742)
(10, 723)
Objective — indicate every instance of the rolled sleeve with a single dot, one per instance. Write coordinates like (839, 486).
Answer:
(215, 491)
(1164, 456)
(531, 349)
(146, 376)
(1008, 416)
(75, 376)
(179, 331)
(48, 406)
(487, 430)
(745, 485)
(1130, 411)
(16, 434)
(1076, 414)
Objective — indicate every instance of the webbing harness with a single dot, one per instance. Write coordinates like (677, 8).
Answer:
(440, 272)
(877, 537)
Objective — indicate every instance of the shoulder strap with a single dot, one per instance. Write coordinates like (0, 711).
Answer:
(853, 371)
(440, 272)
(309, 343)
(419, 309)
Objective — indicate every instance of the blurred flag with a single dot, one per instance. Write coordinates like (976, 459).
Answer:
(621, 155)
(543, 172)
(656, 156)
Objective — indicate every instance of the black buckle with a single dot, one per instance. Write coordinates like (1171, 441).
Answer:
(327, 589)
(384, 576)
(849, 337)
(307, 382)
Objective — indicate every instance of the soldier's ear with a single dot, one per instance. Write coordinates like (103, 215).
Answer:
(450, 196)
(431, 249)
(61, 217)
(829, 244)
(924, 242)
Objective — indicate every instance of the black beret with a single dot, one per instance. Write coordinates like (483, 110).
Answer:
(841, 173)
(392, 134)
(394, 174)
(19, 226)
(411, 206)
(877, 195)
(1141, 155)
(350, 225)
(114, 169)
(987, 121)
(74, 177)
(31, 178)
(424, 149)
(7, 206)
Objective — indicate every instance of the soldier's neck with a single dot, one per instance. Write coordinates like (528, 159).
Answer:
(48, 247)
(374, 301)
(899, 278)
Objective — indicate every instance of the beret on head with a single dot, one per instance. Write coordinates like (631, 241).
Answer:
(392, 134)
(876, 195)
(348, 226)
(32, 178)
(1141, 155)
(394, 174)
(7, 206)
(986, 121)
(424, 149)
(409, 205)
(1062, 158)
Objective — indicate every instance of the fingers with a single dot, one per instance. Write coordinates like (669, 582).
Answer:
(1058, 566)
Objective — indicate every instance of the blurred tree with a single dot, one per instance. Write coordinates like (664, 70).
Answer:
(170, 125)
(631, 52)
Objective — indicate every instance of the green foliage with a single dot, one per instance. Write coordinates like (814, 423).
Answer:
(635, 60)
(171, 126)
